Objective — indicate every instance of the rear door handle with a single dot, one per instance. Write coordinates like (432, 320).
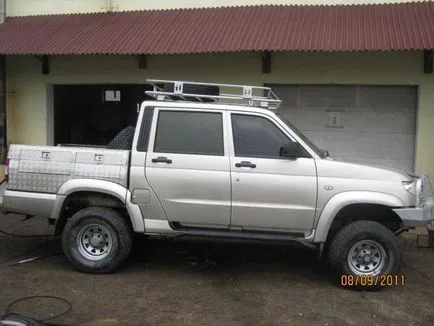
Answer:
(161, 159)
(245, 164)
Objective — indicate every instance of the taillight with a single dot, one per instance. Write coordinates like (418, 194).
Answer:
(6, 179)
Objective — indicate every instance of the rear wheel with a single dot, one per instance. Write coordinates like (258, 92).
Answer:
(363, 251)
(97, 240)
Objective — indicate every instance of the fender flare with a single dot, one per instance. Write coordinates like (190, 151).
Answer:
(99, 186)
(339, 201)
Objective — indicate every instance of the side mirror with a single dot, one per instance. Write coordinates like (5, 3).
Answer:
(291, 150)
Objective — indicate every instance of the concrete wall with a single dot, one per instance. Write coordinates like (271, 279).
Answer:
(41, 7)
(29, 104)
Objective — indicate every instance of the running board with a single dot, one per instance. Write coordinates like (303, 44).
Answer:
(235, 234)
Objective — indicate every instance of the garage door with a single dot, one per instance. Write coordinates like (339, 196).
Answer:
(368, 124)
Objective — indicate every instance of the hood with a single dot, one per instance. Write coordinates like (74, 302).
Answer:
(334, 168)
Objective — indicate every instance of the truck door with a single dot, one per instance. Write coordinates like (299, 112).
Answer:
(269, 193)
(187, 166)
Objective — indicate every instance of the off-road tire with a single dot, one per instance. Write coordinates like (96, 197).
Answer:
(123, 140)
(120, 233)
(357, 231)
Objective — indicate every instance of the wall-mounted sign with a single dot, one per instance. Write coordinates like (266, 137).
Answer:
(112, 96)
(335, 120)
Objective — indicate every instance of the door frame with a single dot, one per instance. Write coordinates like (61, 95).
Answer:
(288, 133)
(150, 152)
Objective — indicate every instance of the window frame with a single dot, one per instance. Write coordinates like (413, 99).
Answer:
(154, 127)
(271, 120)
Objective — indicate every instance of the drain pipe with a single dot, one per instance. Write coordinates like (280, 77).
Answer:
(3, 113)
(109, 7)
(2, 11)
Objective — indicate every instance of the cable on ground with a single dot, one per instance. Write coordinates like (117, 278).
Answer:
(66, 302)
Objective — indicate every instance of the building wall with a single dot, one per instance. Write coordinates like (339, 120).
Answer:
(29, 109)
(41, 7)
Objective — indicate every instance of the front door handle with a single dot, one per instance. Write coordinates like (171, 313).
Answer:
(161, 159)
(245, 164)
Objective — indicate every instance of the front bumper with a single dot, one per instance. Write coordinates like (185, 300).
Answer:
(413, 217)
(422, 213)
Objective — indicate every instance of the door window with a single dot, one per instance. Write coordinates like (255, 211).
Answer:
(187, 132)
(256, 136)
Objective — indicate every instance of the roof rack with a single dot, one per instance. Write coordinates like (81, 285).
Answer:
(171, 90)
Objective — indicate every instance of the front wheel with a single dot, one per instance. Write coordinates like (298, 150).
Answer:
(362, 249)
(97, 240)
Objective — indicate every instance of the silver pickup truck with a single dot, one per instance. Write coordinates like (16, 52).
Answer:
(196, 166)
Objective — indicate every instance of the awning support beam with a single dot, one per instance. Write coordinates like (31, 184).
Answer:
(143, 61)
(428, 61)
(266, 62)
(45, 63)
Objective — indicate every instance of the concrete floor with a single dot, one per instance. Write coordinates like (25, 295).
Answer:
(206, 283)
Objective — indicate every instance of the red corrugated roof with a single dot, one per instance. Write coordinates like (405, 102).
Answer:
(386, 27)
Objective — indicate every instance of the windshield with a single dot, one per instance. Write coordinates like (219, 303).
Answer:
(306, 140)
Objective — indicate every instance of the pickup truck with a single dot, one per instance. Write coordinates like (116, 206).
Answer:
(197, 166)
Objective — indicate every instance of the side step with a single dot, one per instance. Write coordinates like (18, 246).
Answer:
(235, 234)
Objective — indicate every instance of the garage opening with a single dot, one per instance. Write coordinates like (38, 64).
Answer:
(94, 114)
(360, 123)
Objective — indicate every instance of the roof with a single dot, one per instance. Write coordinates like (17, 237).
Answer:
(385, 27)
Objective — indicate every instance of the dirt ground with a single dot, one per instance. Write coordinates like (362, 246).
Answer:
(205, 283)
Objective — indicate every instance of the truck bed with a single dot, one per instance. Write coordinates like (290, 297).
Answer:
(46, 168)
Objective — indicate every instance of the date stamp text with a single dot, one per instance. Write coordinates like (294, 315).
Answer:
(383, 280)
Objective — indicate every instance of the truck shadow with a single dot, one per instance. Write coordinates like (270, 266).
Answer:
(215, 259)
(231, 257)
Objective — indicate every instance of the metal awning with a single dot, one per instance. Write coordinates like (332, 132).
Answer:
(384, 27)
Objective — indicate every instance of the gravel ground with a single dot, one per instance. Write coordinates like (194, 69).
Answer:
(203, 282)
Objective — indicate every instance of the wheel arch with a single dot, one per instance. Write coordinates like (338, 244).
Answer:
(76, 194)
(93, 185)
(346, 207)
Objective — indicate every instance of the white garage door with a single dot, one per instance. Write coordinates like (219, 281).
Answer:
(370, 124)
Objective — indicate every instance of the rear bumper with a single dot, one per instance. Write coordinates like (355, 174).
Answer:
(413, 217)
(27, 203)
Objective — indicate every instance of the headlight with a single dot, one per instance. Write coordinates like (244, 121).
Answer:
(423, 191)
(410, 186)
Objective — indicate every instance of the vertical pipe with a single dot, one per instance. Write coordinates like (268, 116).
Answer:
(2, 11)
(3, 113)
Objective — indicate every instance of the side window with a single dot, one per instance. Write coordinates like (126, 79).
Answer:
(142, 143)
(256, 136)
(187, 132)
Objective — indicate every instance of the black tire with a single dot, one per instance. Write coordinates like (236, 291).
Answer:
(367, 232)
(112, 226)
(123, 140)
(196, 89)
